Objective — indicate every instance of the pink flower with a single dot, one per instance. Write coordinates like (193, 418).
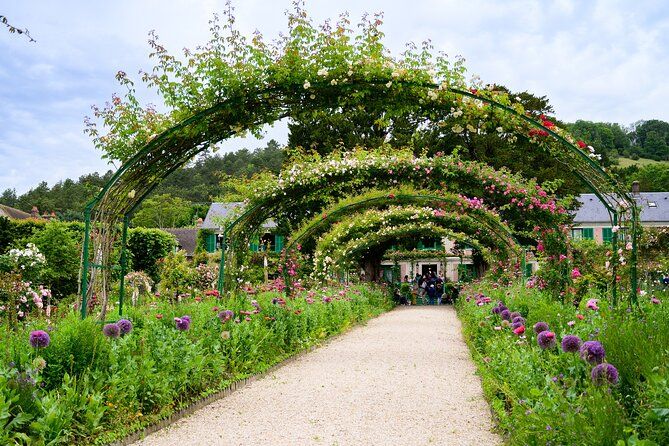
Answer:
(592, 304)
(654, 300)
(580, 317)
(562, 257)
(520, 330)
(575, 273)
(571, 323)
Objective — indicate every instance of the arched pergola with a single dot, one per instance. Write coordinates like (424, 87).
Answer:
(272, 86)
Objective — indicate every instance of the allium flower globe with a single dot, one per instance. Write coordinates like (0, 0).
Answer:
(39, 339)
(506, 315)
(111, 330)
(540, 326)
(604, 373)
(571, 344)
(546, 339)
(125, 326)
(182, 323)
(593, 352)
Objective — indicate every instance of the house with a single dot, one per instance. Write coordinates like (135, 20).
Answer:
(439, 258)
(13, 213)
(221, 213)
(592, 221)
(186, 239)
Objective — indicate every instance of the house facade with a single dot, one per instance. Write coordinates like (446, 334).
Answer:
(592, 220)
(268, 239)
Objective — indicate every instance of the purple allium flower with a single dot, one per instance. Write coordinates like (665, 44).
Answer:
(125, 326)
(540, 326)
(182, 323)
(593, 352)
(506, 315)
(225, 315)
(515, 314)
(517, 324)
(571, 344)
(604, 373)
(39, 339)
(496, 310)
(327, 299)
(546, 339)
(518, 319)
(111, 330)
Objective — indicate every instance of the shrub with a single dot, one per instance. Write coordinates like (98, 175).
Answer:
(146, 247)
(59, 245)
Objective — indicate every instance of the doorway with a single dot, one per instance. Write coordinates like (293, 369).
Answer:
(427, 268)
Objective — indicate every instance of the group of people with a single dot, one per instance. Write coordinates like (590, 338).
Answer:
(430, 288)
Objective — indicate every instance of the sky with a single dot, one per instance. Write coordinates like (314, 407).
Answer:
(595, 60)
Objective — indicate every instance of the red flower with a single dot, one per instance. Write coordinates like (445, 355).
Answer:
(537, 132)
(159, 316)
(391, 196)
(580, 317)
(581, 144)
(520, 330)
(473, 90)
(548, 124)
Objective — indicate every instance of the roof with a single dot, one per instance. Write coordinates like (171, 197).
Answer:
(13, 213)
(221, 211)
(186, 238)
(654, 208)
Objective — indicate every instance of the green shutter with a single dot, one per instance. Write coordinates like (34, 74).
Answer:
(607, 235)
(588, 234)
(278, 243)
(255, 243)
(210, 243)
(528, 270)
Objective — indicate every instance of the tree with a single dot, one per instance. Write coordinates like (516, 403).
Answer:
(8, 197)
(651, 139)
(147, 247)
(59, 245)
(163, 211)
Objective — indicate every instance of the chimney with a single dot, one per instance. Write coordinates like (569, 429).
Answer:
(34, 212)
(635, 187)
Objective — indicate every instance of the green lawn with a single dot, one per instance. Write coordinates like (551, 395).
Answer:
(626, 162)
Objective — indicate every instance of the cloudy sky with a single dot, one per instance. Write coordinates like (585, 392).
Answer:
(595, 60)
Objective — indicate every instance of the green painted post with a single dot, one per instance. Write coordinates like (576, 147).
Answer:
(523, 266)
(221, 268)
(124, 255)
(633, 260)
(614, 265)
(84, 268)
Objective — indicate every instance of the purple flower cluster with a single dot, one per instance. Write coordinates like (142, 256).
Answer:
(125, 326)
(571, 344)
(39, 339)
(111, 330)
(593, 352)
(546, 339)
(506, 315)
(540, 326)
(182, 323)
(225, 315)
(604, 373)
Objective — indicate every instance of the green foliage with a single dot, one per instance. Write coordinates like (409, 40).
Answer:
(97, 389)
(14, 233)
(60, 247)
(146, 247)
(163, 211)
(546, 396)
(177, 276)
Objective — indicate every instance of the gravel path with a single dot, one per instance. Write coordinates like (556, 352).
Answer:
(404, 379)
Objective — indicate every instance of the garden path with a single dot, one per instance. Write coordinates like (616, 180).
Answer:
(406, 378)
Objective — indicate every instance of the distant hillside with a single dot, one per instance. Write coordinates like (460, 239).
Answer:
(627, 162)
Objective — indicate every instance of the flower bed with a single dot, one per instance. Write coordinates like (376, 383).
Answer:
(557, 374)
(85, 382)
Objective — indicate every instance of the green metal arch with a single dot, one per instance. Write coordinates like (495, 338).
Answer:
(178, 144)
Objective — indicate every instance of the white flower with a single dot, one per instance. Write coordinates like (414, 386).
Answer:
(323, 72)
(306, 85)
(628, 246)
(499, 130)
(333, 82)
(389, 84)
(432, 95)
(642, 293)
(457, 128)
(350, 72)
(615, 229)
(132, 193)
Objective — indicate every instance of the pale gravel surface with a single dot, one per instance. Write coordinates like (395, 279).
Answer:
(404, 379)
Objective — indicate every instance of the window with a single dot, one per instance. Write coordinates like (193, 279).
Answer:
(652, 204)
(607, 235)
(583, 234)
